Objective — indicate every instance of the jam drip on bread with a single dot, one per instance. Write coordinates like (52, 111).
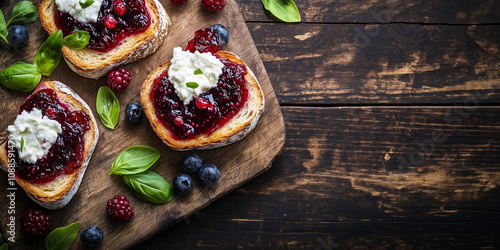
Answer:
(66, 153)
(210, 110)
(117, 20)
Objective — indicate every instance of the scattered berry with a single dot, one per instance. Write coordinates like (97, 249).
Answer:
(134, 113)
(118, 79)
(191, 163)
(182, 183)
(178, 1)
(110, 22)
(209, 173)
(222, 33)
(119, 208)
(92, 236)
(18, 36)
(35, 222)
(120, 8)
(213, 5)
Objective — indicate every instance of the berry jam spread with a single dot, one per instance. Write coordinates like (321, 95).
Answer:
(213, 108)
(205, 40)
(117, 20)
(66, 153)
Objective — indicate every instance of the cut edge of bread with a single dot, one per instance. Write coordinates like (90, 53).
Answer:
(93, 64)
(234, 130)
(58, 193)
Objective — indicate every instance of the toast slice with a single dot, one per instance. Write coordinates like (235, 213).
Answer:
(57, 193)
(234, 130)
(93, 64)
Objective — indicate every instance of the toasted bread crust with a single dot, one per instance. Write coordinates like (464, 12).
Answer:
(93, 64)
(234, 130)
(58, 193)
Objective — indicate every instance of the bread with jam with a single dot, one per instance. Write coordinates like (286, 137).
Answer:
(234, 105)
(145, 23)
(54, 179)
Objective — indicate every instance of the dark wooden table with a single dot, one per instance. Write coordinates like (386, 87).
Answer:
(392, 112)
(393, 132)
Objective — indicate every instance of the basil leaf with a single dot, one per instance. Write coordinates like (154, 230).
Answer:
(23, 13)
(62, 237)
(20, 76)
(198, 72)
(134, 160)
(22, 144)
(108, 107)
(77, 40)
(49, 54)
(4, 246)
(285, 10)
(150, 187)
(192, 85)
(86, 4)
(3, 28)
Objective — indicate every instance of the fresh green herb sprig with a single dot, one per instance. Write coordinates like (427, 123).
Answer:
(49, 54)
(62, 238)
(285, 10)
(133, 164)
(22, 144)
(20, 76)
(77, 40)
(3, 28)
(150, 187)
(86, 4)
(134, 160)
(23, 13)
(25, 77)
(108, 107)
(192, 85)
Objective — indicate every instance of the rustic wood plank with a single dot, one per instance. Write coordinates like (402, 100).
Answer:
(345, 11)
(341, 182)
(380, 64)
(239, 162)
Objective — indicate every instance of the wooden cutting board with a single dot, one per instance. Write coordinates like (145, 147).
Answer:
(239, 162)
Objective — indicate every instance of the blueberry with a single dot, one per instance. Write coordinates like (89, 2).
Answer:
(92, 236)
(191, 163)
(18, 36)
(134, 113)
(209, 173)
(222, 33)
(183, 183)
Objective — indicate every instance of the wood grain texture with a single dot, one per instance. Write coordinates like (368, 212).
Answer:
(385, 11)
(238, 163)
(320, 64)
(339, 183)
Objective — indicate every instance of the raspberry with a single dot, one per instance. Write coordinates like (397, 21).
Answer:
(118, 79)
(119, 208)
(110, 22)
(120, 8)
(213, 5)
(35, 222)
(178, 1)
